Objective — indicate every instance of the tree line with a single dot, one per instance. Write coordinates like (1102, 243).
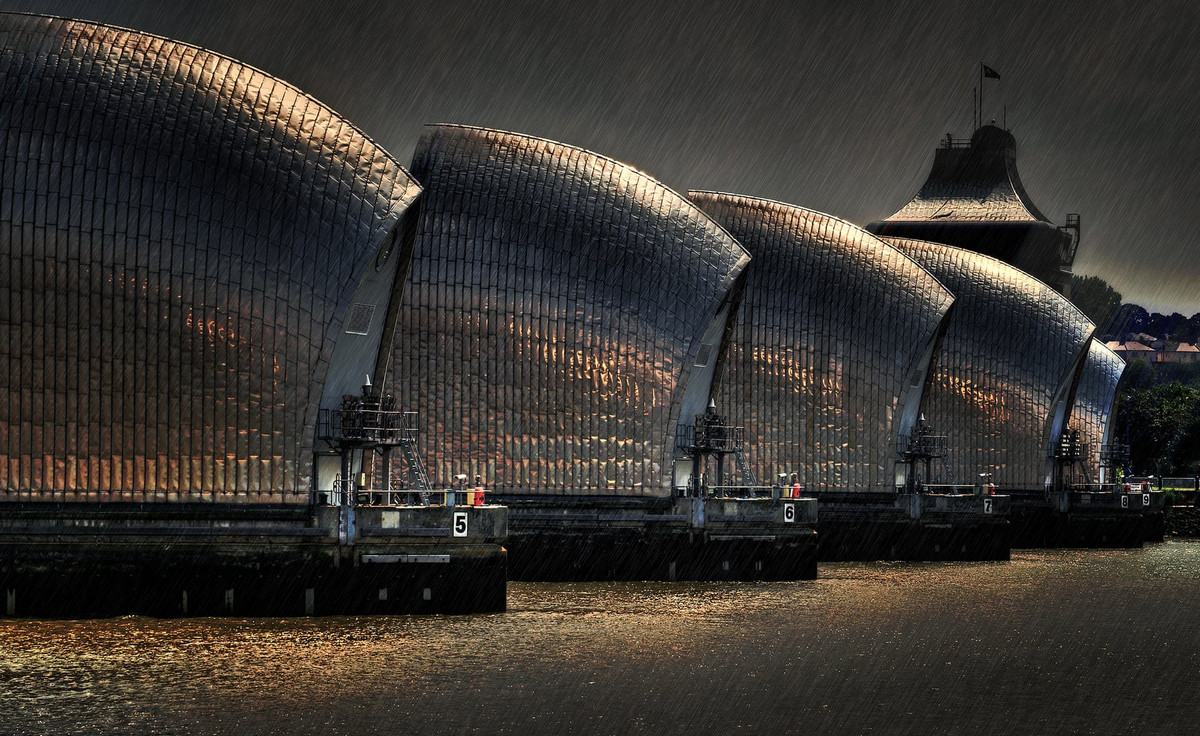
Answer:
(1116, 320)
(1157, 409)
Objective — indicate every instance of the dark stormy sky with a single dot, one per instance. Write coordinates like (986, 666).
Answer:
(835, 105)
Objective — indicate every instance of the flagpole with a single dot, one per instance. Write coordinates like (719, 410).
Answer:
(979, 119)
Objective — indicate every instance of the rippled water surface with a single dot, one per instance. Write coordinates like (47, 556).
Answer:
(1056, 641)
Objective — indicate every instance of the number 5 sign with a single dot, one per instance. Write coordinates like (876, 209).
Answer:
(460, 523)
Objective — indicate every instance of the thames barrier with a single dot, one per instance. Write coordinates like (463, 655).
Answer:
(255, 365)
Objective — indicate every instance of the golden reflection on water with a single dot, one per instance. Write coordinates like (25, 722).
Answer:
(882, 647)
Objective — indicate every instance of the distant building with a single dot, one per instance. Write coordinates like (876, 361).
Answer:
(1184, 353)
(1158, 352)
(974, 199)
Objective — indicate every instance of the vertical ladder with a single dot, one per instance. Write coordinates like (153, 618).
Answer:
(408, 448)
(748, 479)
(415, 466)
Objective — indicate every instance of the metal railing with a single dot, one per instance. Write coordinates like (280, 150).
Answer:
(148, 496)
(744, 491)
(720, 438)
(368, 426)
(1158, 482)
(1183, 483)
(402, 497)
(1067, 255)
(1114, 455)
(1070, 448)
(952, 489)
(951, 142)
(922, 445)
(1097, 487)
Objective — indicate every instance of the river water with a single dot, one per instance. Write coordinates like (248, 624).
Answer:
(1055, 641)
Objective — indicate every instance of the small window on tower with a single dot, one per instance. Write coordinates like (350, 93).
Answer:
(360, 319)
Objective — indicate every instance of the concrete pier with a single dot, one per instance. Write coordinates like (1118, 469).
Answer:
(912, 526)
(1075, 518)
(88, 560)
(616, 538)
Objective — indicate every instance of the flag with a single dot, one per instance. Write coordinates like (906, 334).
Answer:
(990, 73)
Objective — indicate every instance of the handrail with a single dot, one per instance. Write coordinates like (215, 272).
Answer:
(366, 425)
(716, 438)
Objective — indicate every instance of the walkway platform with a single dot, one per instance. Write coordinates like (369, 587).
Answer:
(580, 538)
(1076, 518)
(93, 560)
(860, 525)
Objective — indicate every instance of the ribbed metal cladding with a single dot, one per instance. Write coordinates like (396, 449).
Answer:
(978, 183)
(180, 235)
(1012, 342)
(832, 335)
(553, 314)
(1094, 397)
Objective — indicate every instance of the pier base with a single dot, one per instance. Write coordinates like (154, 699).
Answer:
(864, 526)
(61, 560)
(603, 538)
(1092, 519)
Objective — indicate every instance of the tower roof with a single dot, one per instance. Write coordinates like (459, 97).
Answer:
(974, 199)
(974, 180)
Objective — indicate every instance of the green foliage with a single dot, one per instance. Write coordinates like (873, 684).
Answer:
(1161, 422)
(1187, 331)
(1158, 405)
(1095, 298)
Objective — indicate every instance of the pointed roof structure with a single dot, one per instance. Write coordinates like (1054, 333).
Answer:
(974, 199)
